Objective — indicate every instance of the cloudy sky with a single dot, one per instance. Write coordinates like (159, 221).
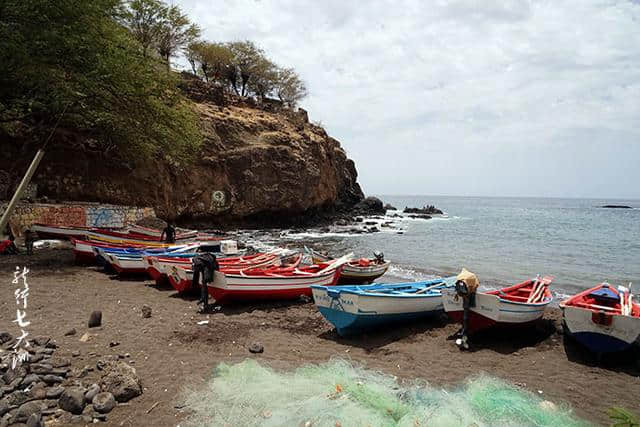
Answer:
(462, 97)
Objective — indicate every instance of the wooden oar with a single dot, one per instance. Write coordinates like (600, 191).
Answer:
(428, 288)
(534, 291)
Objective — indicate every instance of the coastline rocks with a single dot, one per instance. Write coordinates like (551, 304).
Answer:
(420, 216)
(389, 207)
(425, 210)
(369, 206)
(72, 400)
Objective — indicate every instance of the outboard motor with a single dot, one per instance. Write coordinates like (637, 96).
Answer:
(466, 286)
(379, 256)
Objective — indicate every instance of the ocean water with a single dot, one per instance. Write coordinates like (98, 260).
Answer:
(507, 240)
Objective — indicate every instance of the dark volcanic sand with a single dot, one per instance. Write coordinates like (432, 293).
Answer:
(170, 351)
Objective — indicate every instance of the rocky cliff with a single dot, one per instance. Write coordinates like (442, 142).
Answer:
(259, 165)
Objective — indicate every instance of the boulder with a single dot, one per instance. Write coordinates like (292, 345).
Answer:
(121, 380)
(389, 207)
(146, 311)
(104, 402)
(4, 407)
(256, 348)
(91, 392)
(5, 337)
(29, 379)
(35, 420)
(95, 319)
(72, 400)
(27, 409)
(70, 332)
(52, 379)
(54, 392)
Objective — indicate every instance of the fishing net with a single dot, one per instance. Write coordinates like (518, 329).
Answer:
(339, 394)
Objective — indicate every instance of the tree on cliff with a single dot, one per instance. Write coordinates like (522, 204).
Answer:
(155, 24)
(209, 60)
(75, 56)
(143, 18)
(176, 32)
(289, 87)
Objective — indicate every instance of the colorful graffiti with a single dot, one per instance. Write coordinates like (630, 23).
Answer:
(76, 215)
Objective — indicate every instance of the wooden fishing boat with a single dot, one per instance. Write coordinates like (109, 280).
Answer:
(152, 232)
(515, 305)
(179, 272)
(131, 261)
(61, 232)
(353, 309)
(125, 241)
(363, 270)
(85, 251)
(603, 319)
(275, 283)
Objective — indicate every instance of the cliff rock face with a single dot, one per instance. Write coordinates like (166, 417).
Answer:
(256, 167)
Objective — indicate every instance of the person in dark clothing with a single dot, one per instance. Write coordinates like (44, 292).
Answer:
(8, 247)
(29, 238)
(169, 234)
(204, 265)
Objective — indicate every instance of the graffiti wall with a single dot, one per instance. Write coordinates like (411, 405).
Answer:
(75, 215)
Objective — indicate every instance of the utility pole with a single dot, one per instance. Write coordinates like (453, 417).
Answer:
(26, 179)
(18, 194)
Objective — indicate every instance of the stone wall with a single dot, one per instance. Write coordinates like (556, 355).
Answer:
(75, 215)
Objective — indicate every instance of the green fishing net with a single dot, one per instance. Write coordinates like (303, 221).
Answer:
(339, 394)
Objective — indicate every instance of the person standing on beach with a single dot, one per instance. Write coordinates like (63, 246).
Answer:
(29, 238)
(169, 233)
(204, 265)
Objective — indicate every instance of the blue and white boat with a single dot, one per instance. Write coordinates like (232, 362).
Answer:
(352, 309)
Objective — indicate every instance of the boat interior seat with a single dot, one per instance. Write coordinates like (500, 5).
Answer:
(604, 296)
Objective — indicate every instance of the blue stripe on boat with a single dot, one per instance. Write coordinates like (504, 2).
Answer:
(601, 343)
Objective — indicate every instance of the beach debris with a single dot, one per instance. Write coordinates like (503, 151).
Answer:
(70, 332)
(146, 311)
(104, 402)
(203, 322)
(85, 337)
(72, 400)
(95, 319)
(152, 407)
(256, 348)
(305, 298)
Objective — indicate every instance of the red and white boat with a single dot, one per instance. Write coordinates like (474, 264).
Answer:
(84, 250)
(274, 283)
(515, 305)
(179, 272)
(603, 319)
(61, 232)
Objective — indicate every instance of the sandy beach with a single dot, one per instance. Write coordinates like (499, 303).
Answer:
(171, 352)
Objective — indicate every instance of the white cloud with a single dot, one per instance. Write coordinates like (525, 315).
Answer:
(462, 96)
